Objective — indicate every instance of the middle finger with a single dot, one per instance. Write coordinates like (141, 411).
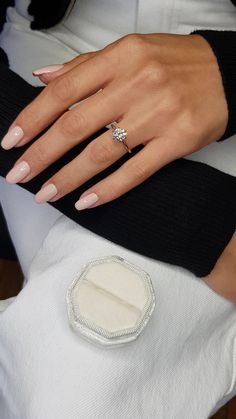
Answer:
(77, 84)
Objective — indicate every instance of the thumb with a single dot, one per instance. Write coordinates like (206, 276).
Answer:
(51, 72)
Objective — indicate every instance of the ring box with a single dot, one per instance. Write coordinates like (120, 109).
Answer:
(111, 302)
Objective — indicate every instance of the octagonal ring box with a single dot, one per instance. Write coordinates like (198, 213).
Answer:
(111, 302)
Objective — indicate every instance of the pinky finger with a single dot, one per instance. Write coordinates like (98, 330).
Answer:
(133, 172)
(50, 73)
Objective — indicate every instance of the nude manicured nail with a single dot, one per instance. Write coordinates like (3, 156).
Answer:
(86, 202)
(46, 193)
(18, 172)
(48, 69)
(13, 137)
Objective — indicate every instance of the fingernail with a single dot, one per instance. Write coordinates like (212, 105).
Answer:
(18, 172)
(46, 193)
(86, 202)
(48, 69)
(13, 137)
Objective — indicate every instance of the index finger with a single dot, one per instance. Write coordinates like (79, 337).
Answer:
(77, 84)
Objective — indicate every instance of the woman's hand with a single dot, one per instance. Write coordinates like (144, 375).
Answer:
(165, 90)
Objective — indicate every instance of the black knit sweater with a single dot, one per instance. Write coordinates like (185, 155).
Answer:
(188, 211)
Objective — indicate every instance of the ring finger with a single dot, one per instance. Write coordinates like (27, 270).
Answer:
(97, 156)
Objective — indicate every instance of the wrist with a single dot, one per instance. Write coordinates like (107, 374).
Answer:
(223, 45)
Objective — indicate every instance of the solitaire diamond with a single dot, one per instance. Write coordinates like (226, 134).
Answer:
(119, 134)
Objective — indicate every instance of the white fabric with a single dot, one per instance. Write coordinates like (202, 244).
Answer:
(96, 24)
(31, 223)
(187, 352)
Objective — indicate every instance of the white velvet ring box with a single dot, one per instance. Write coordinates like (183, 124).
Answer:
(111, 302)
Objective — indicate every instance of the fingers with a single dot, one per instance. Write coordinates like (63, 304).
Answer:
(72, 128)
(51, 72)
(132, 173)
(56, 98)
(97, 156)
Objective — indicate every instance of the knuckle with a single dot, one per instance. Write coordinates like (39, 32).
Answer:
(188, 130)
(134, 41)
(155, 74)
(26, 118)
(173, 101)
(111, 192)
(83, 56)
(100, 153)
(187, 122)
(40, 154)
(86, 56)
(139, 171)
(136, 47)
(72, 122)
(65, 181)
(62, 88)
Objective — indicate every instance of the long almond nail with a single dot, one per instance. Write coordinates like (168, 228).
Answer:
(49, 69)
(13, 137)
(86, 202)
(46, 193)
(18, 172)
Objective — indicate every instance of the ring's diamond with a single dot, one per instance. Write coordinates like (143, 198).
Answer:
(119, 134)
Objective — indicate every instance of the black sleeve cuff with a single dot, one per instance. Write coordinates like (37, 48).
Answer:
(15, 94)
(223, 44)
(3, 58)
